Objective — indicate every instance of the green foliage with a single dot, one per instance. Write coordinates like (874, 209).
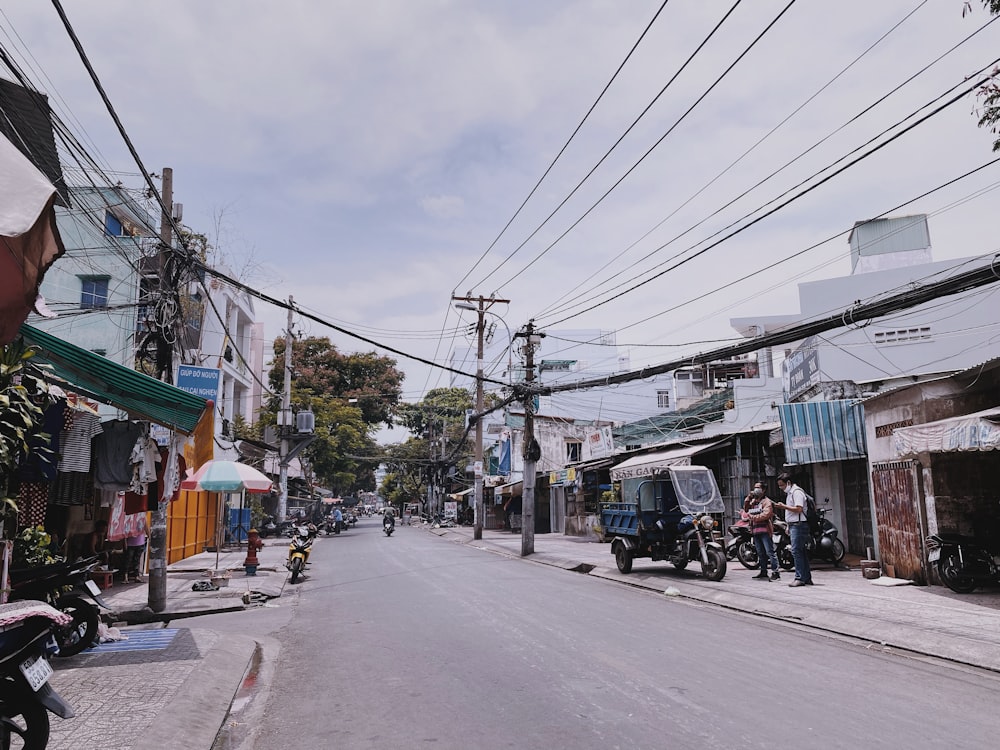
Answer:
(372, 381)
(989, 94)
(33, 547)
(20, 417)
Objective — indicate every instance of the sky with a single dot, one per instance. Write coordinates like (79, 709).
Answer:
(371, 159)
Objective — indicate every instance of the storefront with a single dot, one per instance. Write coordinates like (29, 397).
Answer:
(108, 469)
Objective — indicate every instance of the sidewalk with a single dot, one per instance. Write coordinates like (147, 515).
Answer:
(930, 620)
(129, 601)
(137, 693)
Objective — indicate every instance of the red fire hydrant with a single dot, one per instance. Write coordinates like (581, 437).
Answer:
(254, 543)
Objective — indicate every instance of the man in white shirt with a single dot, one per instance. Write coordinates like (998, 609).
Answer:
(798, 527)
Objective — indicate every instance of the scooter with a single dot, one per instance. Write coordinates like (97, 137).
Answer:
(962, 564)
(298, 550)
(388, 526)
(26, 641)
(740, 545)
(824, 543)
(67, 587)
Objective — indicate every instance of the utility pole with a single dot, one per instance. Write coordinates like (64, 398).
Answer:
(529, 448)
(465, 303)
(157, 593)
(285, 420)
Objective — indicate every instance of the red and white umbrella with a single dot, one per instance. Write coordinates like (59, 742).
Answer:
(227, 476)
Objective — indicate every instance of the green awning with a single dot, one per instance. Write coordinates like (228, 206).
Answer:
(110, 383)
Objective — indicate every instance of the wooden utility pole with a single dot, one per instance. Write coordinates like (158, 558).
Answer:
(529, 447)
(157, 593)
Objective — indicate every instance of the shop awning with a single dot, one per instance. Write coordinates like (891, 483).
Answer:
(816, 431)
(649, 464)
(99, 378)
(969, 432)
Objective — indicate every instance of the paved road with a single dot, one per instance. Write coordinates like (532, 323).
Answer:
(411, 641)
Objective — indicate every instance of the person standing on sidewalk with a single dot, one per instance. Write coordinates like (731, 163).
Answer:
(760, 511)
(135, 545)
(798, 527)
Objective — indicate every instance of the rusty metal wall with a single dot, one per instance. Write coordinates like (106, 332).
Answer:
(897, 517)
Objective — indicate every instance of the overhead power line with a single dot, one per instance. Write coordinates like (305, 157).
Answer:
(859, 313)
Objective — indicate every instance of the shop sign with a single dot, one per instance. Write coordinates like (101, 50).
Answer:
(563, 476)
(201, 381)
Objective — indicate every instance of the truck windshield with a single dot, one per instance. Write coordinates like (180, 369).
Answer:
(696, 490)
(647, 496)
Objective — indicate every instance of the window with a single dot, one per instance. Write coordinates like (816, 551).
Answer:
(903, 335)
(112, 226)
(574, 451)
(94, 292)
(663, 399)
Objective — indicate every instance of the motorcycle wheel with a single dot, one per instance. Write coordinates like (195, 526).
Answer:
(623, 559)
(24, 721)
(950, 571)
(296, 568)
(715, 568)
(746, 553)
(785, 559)
(82, 631)
(838, 552)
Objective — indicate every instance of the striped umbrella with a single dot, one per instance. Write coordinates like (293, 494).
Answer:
(227, 476)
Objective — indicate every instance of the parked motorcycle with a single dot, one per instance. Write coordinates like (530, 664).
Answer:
(823, 542)
(67, 587)
(740, 545)
(298, 550)
(962, 564)
(26, 641)
(268, 527)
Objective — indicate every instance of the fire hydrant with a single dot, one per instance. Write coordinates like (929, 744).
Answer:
(254, 543)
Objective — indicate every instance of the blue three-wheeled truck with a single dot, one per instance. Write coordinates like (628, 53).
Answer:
(669, 519)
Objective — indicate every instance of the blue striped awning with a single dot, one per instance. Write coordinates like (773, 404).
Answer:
(816, 431)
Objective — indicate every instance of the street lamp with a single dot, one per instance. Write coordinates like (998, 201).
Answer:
(480, 310)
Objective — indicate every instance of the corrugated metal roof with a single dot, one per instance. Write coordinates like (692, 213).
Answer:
(892, 235)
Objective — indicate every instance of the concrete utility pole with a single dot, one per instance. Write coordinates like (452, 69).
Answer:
(285, 420)
(465, 303)
(529, 449)
(157, 593)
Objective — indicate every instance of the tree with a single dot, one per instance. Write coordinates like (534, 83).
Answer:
(989, 94)
(349, 395)
(373, 381)
(20, 418)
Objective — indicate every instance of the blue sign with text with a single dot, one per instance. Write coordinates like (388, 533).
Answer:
(201, 381)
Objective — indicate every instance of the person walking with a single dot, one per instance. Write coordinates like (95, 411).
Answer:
(760, 511)
(798, 527)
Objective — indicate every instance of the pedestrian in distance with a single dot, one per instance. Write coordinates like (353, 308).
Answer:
(798, 527)
(760, 511)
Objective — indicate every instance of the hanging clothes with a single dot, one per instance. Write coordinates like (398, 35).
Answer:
(112, 450)
(40, 462)
(172, 469)
(122, 525)
(76, 442)
(31, 501)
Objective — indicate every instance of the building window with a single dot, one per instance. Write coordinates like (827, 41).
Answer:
(663, 399)
(112, 226)
(903, 335)
(574, 451)
(94, 292)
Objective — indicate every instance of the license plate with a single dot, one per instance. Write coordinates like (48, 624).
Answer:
(36, 671)
(776, 538)
(934, 555)
(92, 587)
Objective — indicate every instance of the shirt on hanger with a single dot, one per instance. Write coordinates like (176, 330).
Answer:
(76, 442)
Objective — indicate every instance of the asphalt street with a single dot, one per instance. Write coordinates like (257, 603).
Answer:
(408, 642)
(390, 639)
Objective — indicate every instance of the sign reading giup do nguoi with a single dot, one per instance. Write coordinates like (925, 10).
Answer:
(201, 381)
